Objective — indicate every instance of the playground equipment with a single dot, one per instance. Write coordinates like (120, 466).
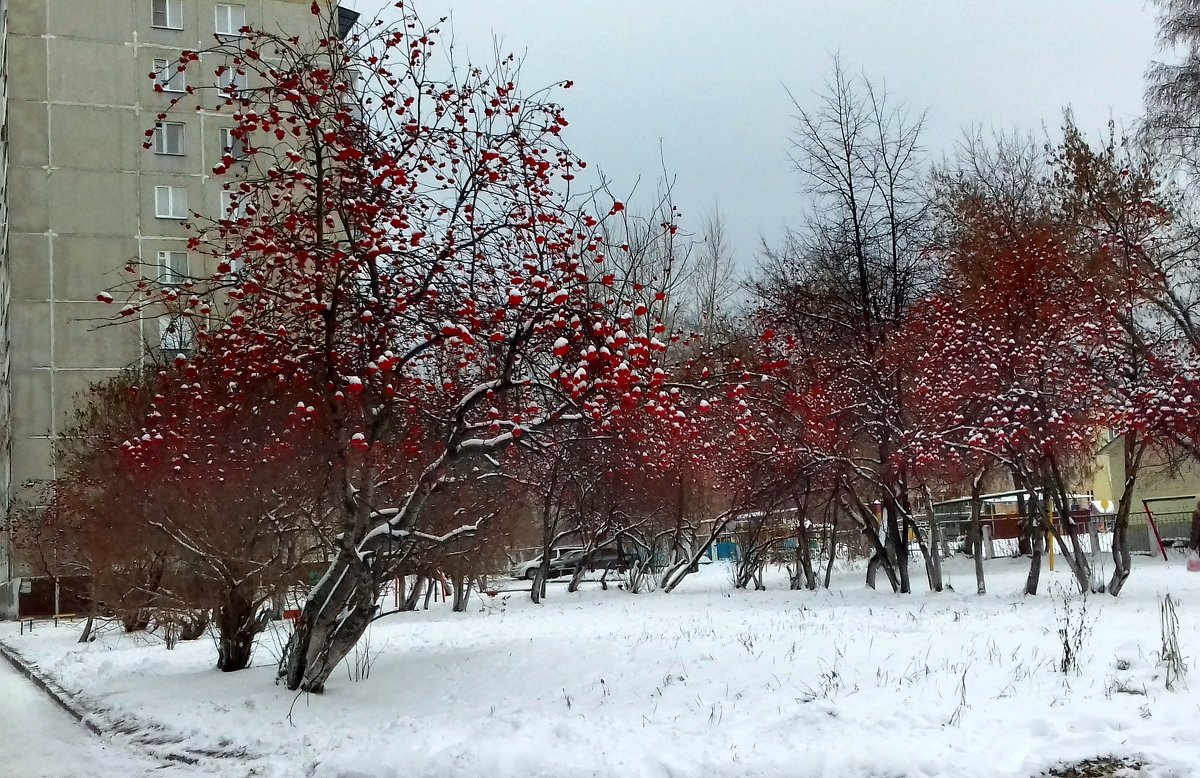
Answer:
(1154, 524)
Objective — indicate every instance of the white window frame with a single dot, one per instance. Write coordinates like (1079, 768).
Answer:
(235, 147)
(235, 264)
(176, 334)
(230, 77)
(229, 19)
(232, 206)
(170, 202)
(172, 14)
(160, 138)
(171, 269)
(168, 75)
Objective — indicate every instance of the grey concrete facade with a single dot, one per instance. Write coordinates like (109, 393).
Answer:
(5, 350)
(78, 200)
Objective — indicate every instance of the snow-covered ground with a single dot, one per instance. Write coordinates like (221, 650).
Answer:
(39, 740)
(706, 681)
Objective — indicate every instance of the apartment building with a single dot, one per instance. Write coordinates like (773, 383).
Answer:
(80, 199)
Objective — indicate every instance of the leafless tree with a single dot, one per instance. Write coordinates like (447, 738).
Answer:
(1173, 91)
(844, 280)
(713, 280)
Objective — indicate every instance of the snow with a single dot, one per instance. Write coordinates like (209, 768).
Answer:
(38, 739)
(706, 681)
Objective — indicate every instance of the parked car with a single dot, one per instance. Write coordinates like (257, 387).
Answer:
(528, 570)
(604, 559)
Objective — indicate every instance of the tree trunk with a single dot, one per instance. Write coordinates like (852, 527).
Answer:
(135, 620)
(879, 560)
(1122, 559)
(193, 628)
(337, 613)
(935, 542)
(414, 594)
(581, 570)
(898, 545)
(804, 559)
(1093, 530)
(237, 628)
(86, 635)
(1037, 534)
(550, 515)
(833, 522)
(1075, 558)
(932, 569)
(804, 573)
(977, 534)
(750, 567)
(234, 649)
(691, 562)
(462, 592)
(1025, 541)
(537, 592)
(870, 529)
(873, 564)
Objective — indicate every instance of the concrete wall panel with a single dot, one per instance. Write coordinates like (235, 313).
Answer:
(29, 135)
(27, 188)
(32, 460)
(82, 339)
(71, 389)
(27, 17)
(112, 25)
(31, 405)
(30, 333)
(85, 266)
(91, 72)
(91, 138)
(97, 203)
(29, 267)
(30, 54)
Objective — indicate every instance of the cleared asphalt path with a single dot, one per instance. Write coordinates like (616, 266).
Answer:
(38, 739)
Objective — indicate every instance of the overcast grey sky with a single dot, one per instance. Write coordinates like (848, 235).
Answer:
(709, 78)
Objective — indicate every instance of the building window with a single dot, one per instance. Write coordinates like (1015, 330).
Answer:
(175, 336)
(226, 259)
(168, 138)
(170, 202)
(231, 18)
(168, 75)
(234, 147)
(231, 79)
(172, 267)
(167, 14)
(232, 207)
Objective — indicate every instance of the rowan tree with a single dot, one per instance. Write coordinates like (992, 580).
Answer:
(229, 507)
(411, 249)
(1007, 368)
(89, 528)
(840, 286)
(1126, 217)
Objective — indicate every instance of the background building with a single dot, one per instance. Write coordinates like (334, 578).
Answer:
(80, 198)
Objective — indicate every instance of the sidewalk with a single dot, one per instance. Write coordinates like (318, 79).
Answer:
(38, 738)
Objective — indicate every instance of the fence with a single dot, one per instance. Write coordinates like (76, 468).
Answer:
(1003, 534)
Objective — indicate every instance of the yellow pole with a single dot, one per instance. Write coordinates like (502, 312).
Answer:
(1050, 537)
